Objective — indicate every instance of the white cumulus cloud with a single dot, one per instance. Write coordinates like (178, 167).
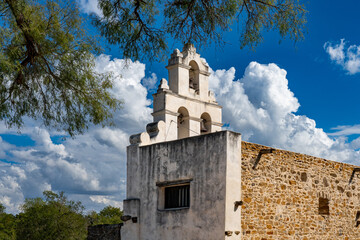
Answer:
(345, 130)
(128, 88)
(347, 58)
(261, 106)
(106, 200)
(90, 6)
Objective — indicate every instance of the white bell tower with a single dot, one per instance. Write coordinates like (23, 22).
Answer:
(183, 107)
(188, 75)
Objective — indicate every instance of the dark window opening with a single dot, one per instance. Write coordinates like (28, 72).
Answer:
(324, 206)
(177, 197)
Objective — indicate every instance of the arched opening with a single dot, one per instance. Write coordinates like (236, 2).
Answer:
(194, 76)
(183, 123)
(205, 123)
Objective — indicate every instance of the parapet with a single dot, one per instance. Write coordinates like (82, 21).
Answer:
(155, 132)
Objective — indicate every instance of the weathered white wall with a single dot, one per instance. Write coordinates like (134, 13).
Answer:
(206, 160)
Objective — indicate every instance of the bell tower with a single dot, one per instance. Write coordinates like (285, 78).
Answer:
(180, 178)
(184, 106)
(188, 74)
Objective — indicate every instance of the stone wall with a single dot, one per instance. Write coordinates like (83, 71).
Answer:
(281, 196)
(104, 232)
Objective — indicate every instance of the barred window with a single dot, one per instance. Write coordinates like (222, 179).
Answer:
(177, 196)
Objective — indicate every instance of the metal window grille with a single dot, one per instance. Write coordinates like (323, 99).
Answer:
(177, 197)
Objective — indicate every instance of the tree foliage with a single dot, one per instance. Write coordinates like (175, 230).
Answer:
(7, 225)
(47, 67)
(2, 208)
(109, 215)
(141, 27)
(53, 218)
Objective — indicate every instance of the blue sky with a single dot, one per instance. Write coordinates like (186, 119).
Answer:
(326, 92)
(301, 97)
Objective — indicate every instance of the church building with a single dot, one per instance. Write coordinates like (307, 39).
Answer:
(188, 179)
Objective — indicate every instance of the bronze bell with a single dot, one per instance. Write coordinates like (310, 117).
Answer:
(180, 118)
(191, 83)
(202, 126)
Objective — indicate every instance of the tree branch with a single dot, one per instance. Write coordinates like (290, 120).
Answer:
(265, 3)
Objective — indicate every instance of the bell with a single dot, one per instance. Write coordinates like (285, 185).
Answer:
(191, 83)
(202, 126)
(180, 119)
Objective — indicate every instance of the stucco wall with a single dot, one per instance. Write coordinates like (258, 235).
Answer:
(281, 196)
(203, 159)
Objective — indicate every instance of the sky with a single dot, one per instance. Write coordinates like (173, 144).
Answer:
(300, 97)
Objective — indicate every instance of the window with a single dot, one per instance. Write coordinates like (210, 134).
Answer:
(177, 196)
(174, 194)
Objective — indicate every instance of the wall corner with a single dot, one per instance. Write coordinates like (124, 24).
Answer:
(233, 186)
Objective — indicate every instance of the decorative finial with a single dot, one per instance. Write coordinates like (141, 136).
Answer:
(163, 84)
(189, 47)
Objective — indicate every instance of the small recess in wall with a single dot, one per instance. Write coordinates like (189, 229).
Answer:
(324, 206)
(357, 218)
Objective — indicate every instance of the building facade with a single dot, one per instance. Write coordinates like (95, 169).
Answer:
(187, 179)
